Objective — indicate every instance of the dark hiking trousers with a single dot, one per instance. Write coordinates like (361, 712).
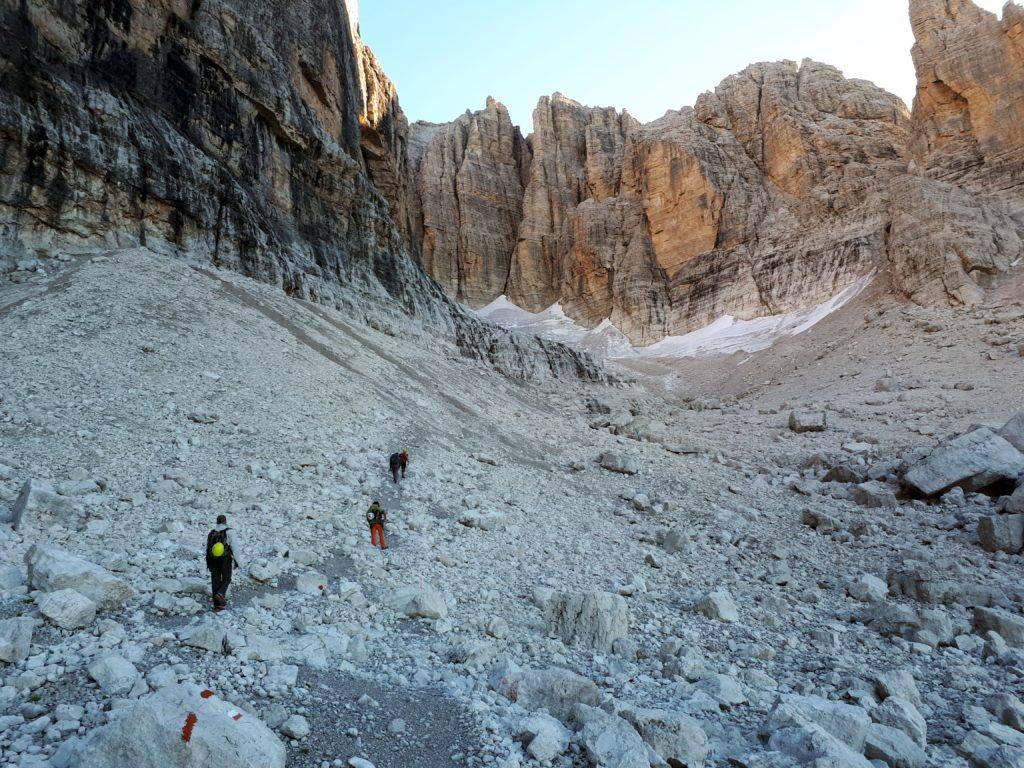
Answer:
(220, 579)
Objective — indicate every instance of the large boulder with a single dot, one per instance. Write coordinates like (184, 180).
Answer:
(867, 588)
(894, 747)
(556, 690)
(39, 499)
(677, 738)
(899, 683)
(903, 715)
(176, 727)
(719, 605)
(208, 636)
(617, 462)
(418, 602)
(16, 638)
(609, 741)
(115, 675)
(812, 745)
(1010, 626)
(874, 495)
(67, 608)
(1013, 431)
(973, 461)
(51, 568)
(808, 421)
(1001, 533)
(544, 737)
(592, 619)
(1014, 504)
(845, 722)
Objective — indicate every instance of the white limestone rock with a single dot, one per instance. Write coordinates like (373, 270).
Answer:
(150, 733)
(719, 605)
(418, 602)
(609, 741)
(894, 747)
(592, 619)
(67, 608)
(972, 461)
(676, 737)
(16, 638)
(51, 568)
(808, 421)
(114, 674)
(845, 722)
(554, 689)
(867, 588)
(40, 503)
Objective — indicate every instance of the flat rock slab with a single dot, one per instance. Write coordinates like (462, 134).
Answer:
(973, 461)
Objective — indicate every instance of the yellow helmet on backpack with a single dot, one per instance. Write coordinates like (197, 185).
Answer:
(217, 550)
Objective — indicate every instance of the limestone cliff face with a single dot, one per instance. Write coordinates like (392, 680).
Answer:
(258, 135)
(708, 211)
(468, 176)
(959, 222)
(577, 155)
(780, 188)
(776, 202)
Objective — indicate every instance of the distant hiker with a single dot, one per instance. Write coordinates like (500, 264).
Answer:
(376, 517)
(398, 461)
(221, 550)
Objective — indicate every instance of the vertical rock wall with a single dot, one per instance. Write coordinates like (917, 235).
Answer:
(782, 187)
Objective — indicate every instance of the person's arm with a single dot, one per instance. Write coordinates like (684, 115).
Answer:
(235, 550)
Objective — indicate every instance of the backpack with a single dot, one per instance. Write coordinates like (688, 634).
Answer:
(215, 537)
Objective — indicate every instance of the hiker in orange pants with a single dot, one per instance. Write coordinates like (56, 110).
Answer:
(376, 517)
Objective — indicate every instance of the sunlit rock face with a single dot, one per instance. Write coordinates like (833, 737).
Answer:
(469, 177)
(784, 186)
(959, 223)
(253, 135)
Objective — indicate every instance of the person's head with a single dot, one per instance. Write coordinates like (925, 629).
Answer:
(375, 504)
(405, 451)
(222, 519)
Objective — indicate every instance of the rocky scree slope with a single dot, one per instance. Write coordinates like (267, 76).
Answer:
(782, 187)
(253, 136)
(577, 575)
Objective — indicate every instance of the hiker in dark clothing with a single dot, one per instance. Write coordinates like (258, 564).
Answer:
(376, 517)
(221, 551)
(398, 461)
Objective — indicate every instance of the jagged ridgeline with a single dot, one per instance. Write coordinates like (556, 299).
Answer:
(782, 187)
(260, 136)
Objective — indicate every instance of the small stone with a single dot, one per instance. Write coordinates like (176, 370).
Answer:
(868, 588)
(808, 421)
(719, 605)
(296, 727)
(615, 462)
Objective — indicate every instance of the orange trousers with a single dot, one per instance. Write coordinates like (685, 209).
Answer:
(377, 536)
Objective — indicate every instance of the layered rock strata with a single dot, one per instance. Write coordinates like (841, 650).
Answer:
(259, 136)
(782, 187)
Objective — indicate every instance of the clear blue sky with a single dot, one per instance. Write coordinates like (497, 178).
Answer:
(643, 55)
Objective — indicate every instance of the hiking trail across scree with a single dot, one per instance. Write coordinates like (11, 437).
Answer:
(175, 400)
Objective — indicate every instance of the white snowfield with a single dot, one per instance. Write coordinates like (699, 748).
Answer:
(724, 336)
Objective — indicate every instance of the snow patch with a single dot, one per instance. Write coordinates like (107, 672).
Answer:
(724, 336)
(728, 335)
